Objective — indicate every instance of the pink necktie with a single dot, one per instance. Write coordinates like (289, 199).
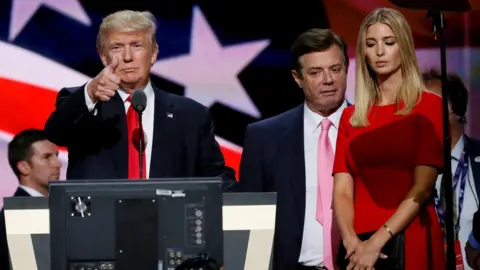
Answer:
(324, 196)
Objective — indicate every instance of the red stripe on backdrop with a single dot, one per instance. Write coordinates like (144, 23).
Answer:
(24, 106)
(28, 106)
(232, 159)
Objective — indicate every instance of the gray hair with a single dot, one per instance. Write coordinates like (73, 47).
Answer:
(127, 21)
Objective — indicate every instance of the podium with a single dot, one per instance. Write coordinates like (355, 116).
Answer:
(248, 226)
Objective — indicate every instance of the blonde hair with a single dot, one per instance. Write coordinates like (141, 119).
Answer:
(127, 21)
(367, 92)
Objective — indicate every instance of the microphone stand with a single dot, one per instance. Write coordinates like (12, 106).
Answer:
(438, 26)
(141, 143)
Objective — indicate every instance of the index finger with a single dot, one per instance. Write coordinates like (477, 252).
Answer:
(349, 253)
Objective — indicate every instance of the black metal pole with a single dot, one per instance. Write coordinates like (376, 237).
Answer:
(438, 26)
(140, 144)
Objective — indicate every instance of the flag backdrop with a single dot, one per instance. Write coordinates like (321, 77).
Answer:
(232, 56)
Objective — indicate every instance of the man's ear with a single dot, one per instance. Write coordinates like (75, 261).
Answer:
(104, 60)
(23, 167)
(154, 54)
(297, 77)
(103, 56)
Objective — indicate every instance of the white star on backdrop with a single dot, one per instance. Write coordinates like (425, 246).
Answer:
(209, 72)
(23, 10)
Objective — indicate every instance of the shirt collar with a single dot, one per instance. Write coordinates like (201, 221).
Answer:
(148, 92)
(313, 119)
(31, 191)
(458, 148)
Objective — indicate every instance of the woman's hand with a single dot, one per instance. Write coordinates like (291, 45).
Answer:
(350, 245)
(365, 256)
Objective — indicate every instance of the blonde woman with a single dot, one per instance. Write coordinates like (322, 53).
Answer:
(389, 153)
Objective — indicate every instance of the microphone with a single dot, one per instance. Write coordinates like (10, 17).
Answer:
(139, 103)
(439, 5)
(435, 11)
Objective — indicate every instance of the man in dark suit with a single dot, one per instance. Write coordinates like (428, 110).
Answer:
(34, 160)
(472, 248)
(100, 127)
(465, 156)
(282, 154)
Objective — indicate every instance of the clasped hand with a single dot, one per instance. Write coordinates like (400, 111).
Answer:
(363, 255)
(473, 256)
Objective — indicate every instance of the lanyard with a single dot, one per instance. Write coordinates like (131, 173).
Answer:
(460, 176)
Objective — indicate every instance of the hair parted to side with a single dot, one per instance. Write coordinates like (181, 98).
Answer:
(316, 40)
(456, 90)
(127, 21)
(367, 92)
(20, 147)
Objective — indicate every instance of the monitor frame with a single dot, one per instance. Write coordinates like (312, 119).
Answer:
(61, 191)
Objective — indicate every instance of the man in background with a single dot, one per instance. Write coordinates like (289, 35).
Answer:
(292, 154)
(472, 248)
(465, 160)
(34, 160)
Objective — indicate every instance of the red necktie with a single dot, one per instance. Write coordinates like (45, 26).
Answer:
(133, 132)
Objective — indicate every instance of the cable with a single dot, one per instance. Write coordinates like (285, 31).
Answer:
(201, 262)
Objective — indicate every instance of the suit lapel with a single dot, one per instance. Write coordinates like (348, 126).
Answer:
(20, 192)
(291, 146)
(164, 131)
(113, 113)
(293, 158)
(473, 152)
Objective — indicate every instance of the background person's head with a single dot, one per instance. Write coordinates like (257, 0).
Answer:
(320, 64)
(34, 159)
(457, 97)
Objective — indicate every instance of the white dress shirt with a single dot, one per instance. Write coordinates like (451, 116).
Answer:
(147, 118)
(31, 191)
(470, 201)
(311, 253)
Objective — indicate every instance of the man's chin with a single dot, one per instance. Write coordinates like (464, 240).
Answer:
(130, 79)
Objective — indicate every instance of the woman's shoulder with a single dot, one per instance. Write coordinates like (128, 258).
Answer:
(430, 105)
(345, 119)
(429, 97)
(348, 111)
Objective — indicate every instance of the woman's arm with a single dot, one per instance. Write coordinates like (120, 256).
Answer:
(343, 209)
(424, 184)
(367, 252)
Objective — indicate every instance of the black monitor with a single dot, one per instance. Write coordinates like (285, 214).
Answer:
(141, 225)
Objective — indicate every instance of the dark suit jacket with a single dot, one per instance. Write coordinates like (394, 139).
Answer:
(4, 255)
(476, 225)
(273, 161)
(472, 150)
(183, 146)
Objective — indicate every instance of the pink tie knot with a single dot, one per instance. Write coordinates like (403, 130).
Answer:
(326, 124)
